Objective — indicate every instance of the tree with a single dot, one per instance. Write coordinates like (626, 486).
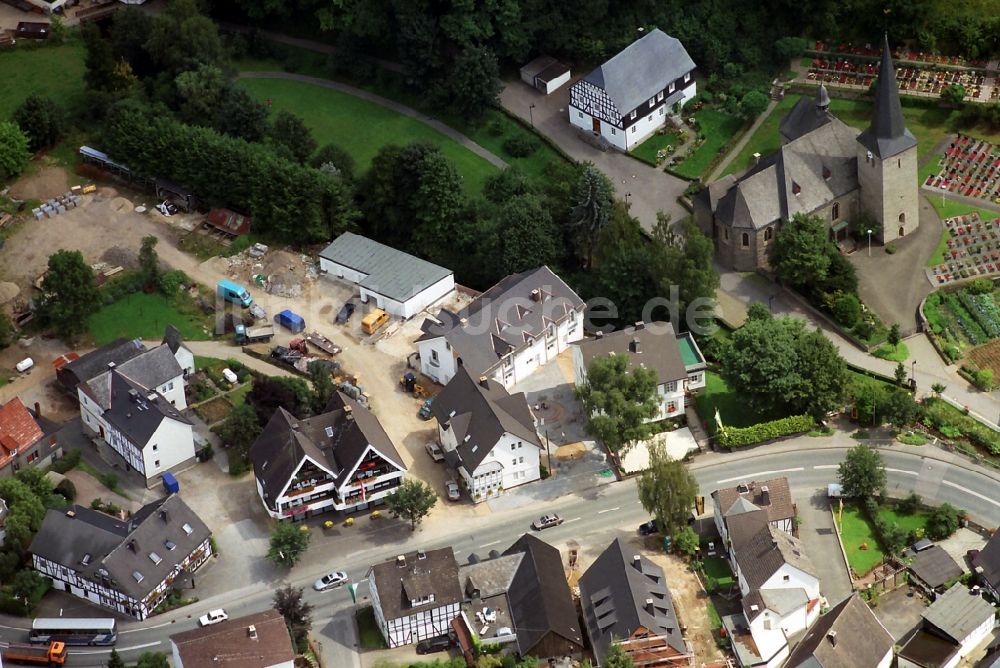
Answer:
(474, 81)
(289, 603)
(801, 253)
(899, 409)
(893, 337)
(288, 543)
(618, 401)
(862, 473)
(944, 521)
(667, 490)
(757, 311)
(152, 660)
(7, 332)
(335, 156)
(241, 427)
(148, 260)
(529, 239)
(25, 583)
(900, 373)
(322, 386)
(14, 155)
(846, 309)
(270, 392)
(412, 501)
(27, 510)
(953, 95)
(938, 389)
(41, 120)
(69, 294)
(115, 661)
(591, 212)
(291, 131)
(686, 541)
(685, 260)
(822, 376)
(240, 115)
(753, 104)
(201, 92)
(616, 657)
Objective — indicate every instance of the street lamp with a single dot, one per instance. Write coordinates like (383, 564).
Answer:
(869, 243)
(913, 373)
(627, 195)
(531, 115)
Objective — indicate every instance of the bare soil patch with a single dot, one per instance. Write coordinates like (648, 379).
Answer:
(214, 410)
(47, 182)
(987, 356)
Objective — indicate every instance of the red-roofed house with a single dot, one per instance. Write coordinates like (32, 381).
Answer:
(24, 438)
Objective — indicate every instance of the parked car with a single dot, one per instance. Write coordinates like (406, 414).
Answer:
(711, 548)
(647, 528)
(434, 450)
(291, 321)
(213, 617)
(452, 488)
(546, 521)
(425, 410)
(345, 313)
(330, 580)
(431, 645)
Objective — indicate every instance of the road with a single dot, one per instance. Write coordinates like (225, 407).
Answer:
(593, 518)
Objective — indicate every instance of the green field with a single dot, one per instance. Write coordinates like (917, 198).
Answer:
(765, 139)
(55, 71)
(144, 316)
(732, 408)
(856, 531)
(361, 127)
(718, 128)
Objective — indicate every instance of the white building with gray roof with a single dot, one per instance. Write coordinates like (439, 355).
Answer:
(398, 283)
(630, 96)
(953, 626)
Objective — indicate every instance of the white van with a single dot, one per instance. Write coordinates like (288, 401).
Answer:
(25, 364)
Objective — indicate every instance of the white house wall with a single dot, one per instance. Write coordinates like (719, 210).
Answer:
(414, 304)
(174, 444)
(770, 639)
(790, 577)
(411, 628)
(437, 361)
(341, 271)
(972, 640)
(554, 84)
(665, 393)
(185, 358)
(173, 391)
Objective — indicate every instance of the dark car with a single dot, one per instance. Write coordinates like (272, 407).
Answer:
(345, 313)
(431, 645)
(647, 528)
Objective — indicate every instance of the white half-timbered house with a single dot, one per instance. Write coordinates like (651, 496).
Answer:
(127, 565)
(630, 96)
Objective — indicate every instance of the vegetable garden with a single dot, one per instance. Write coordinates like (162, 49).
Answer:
(965, 317)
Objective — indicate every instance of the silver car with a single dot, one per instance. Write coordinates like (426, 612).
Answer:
(330, 580)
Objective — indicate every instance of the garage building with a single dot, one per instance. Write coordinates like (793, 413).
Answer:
(397, 282)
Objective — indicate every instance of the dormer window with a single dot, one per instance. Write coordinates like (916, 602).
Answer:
(687, 77)
(138, 576)
(634, 114)
(659, 96)
(652, 101)
(671, 88)
(796, 188)
(827, 173)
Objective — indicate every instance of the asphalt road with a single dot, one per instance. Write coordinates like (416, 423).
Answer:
(592, 519)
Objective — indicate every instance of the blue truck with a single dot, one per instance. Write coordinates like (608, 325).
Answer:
(234, 292)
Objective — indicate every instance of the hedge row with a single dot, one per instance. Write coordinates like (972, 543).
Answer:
(738, 437)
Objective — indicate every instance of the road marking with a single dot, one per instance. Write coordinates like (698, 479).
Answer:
(826, 466)
(120, 649)
(575, 519)
(754, 476)
(904, 471)
(489, 544)
(13, 628)
(145, 628)
(969, 491)
(608, 510)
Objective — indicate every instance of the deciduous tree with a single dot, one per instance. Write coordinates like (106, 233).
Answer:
(473, 83)
(943, 521)
(411, 501)
(289, 603)
(241, 427)
(667, 490)
(240, 115)
(288, 543)
(152, 660)
(69, 294)
(527, 236)
(42, 121)
(335, 156)
(290, 131)
(616, 657)
(862, 473)
(618, 401)
(899, 409)
(753, 104)
(149, 261)
(686, 541)
(14, 155)
(801, 254)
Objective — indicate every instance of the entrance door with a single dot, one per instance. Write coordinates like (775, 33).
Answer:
(597, 125)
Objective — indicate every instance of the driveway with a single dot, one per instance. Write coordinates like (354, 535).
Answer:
(899, 611)
(651, 189)
(819, 537)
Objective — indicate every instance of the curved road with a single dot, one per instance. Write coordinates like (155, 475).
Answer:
(593, 518)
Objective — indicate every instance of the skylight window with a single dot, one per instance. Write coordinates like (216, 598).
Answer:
(329, 432)
(86, 559)
(155, 558)
(170, 545)
(138, 576)
(187, 529)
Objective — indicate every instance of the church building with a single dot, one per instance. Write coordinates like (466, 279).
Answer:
(824, 168)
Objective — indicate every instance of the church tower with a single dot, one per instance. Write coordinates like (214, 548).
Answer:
(887, 160)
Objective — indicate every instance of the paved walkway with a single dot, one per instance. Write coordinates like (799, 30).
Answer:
(446, 130)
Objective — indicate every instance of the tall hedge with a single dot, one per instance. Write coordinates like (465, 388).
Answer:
(739, 437)
(288, 202)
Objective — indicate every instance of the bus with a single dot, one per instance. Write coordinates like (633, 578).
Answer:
(96, 631)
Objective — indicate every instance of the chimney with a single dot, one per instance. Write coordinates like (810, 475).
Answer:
(742, 488)
(756, 158)
(832, 636)
(164, 516)
(637, 562)
(484, 382)
(636, 345)
(111, 365)
(765, 496)
(599, 335)
(640, 325)
(421, 554)
(252, 632)
(649, 606)
(38, 410)
(401, 561)
(132, 546)
(348, 414)
(536, 296)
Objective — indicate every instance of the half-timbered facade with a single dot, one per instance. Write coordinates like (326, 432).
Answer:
(340, 460)
(129, 565)
(630, 96)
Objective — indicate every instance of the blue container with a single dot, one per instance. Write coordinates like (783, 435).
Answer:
(290, 321)
(170, 483)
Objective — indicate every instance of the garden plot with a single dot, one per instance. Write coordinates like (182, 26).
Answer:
(973, 250)
(963, 318)
(987, 356)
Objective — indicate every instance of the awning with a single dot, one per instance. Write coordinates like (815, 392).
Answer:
(839, 226)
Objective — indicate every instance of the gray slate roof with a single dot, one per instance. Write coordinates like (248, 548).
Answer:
(65, 540)
(887, 135)
(613, 595)
(642, 69)
(490, 577)
(934, 566)
(482, 411)
(761, 550)
(392, 273)
(149, 369)
(436, 573)
(806, 116)
(851, 620)
(657, 349)
(134, 409)
(958, 612)
(96, 362)
(505, 318)
(173, 339)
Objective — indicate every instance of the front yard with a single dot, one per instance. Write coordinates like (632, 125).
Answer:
(864, 552)
(718, 128)
(733, 410)
(666, 140)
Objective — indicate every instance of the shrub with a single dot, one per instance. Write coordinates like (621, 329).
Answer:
(864, 330)
(520, 146)
(67, 462)
(495, 127)
(170, 282)
(890, 248)
(109, 480)
(983, 379)
(543, 471)
(980, 286)
(909, 505)
(846, 309)
(67, 489)
(943, 521)
(737, 437)
(97, 504)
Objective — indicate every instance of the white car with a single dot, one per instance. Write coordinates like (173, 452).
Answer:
(213, 617)
(330, 580)
(434, 450)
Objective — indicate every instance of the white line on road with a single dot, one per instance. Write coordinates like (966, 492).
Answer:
(145, 628)
(826, 466)
(754, 476)
(575, 519)
(902, 471)
(969, 491)
(120, 649)
(489, 544)
(608, 510)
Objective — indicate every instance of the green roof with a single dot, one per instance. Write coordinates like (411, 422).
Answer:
(690, 354)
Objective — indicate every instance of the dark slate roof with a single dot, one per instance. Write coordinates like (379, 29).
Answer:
(504, 318)
(539, 597)
(641, 70)
(390, 272)
(934, 566)
(987, 562)
(777, 501)
(806, 116)
(66, 539)
(887, 135)
(399, 583)
(958, 612)
(286, 441)
(133, 408)
(483, 412)
(96, 362)
(851, 620)
(613, 595)
(927, 649)
(657, 349)
(761, 549)
(173, 339)
(230, 645)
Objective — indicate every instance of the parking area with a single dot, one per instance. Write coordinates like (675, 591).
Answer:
(819, 537)
(899, 611)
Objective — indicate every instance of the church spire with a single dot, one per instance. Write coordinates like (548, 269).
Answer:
(887, 134)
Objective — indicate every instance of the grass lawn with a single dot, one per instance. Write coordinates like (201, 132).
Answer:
(892, 353)
(733, 409)
(144, 316)
(765, 140)
(912, 522)
(947, 208)
(855, 531)
(361, 127)
(718, 128)
(718, 569)
(55, 71)
(937, 257)
(714, 620)
(496, 128)
(368, 633)
(648, 149)
(239, 396)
